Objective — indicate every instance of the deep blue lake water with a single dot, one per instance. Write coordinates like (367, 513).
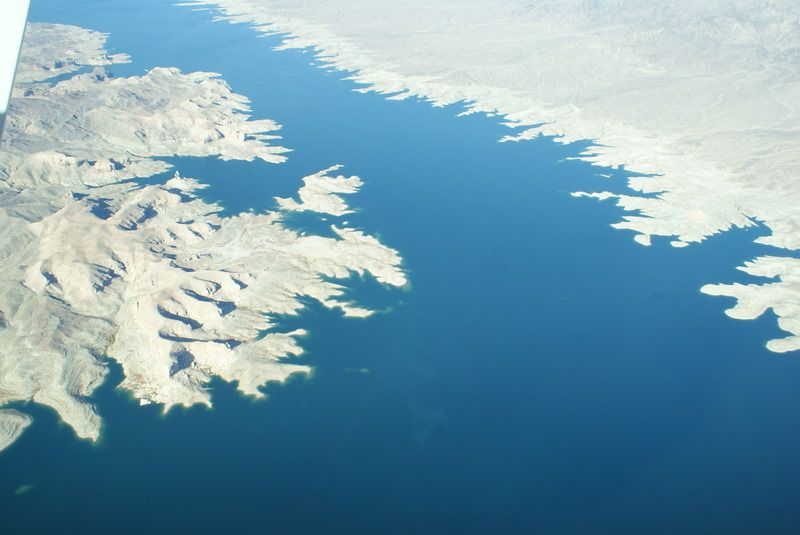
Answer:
(542, 374)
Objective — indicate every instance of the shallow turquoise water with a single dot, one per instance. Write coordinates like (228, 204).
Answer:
(543, 374)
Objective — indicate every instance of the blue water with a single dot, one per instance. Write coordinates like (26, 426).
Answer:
(543, 374)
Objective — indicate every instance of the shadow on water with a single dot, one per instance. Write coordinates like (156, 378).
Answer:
(542, 374)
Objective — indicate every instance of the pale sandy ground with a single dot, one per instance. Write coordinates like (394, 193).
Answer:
(704, 94)
(93, 268)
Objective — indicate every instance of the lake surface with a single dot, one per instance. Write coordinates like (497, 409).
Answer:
(542, 374)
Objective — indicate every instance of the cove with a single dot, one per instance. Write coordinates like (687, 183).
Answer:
(542, 374)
